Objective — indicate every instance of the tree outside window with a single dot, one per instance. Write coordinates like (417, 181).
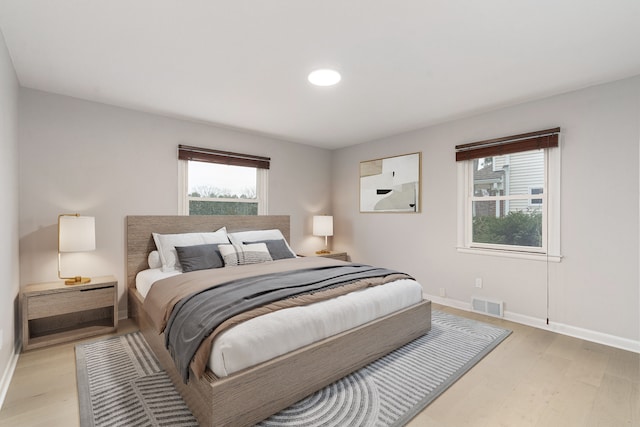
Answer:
(215, 189)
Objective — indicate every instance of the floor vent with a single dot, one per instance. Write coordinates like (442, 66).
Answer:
(490, 307)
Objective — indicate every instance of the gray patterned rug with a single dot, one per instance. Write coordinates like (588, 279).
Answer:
(120, 383)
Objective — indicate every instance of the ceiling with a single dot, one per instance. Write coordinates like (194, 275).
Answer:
(243, 63)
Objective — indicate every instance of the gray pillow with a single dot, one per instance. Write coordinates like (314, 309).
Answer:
(278, 249)
(199, 257)
(252, 253)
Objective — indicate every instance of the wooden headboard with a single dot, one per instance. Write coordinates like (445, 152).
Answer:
(140, 242)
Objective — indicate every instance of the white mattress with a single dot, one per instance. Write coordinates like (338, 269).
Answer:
(271, 335)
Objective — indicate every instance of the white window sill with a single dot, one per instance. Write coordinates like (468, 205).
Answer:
(511, 254)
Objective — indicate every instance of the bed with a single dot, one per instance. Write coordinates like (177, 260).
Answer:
(251, 394)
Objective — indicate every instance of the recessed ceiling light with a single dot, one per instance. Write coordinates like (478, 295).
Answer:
(324, 77)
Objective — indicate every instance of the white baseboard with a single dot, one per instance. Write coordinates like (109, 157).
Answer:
(466, 306)
(560, 328)
(594, 336)
(7, 376)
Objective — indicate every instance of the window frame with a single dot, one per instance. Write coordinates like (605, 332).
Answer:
(262, 178)
(550, 250)
(471, 198)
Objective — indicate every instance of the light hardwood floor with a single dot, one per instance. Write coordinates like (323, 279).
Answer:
(534, 378)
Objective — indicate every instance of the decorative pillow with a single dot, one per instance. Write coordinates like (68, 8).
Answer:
(278, 249)
(244, 254)
(240, 237)
(166, 244)
(199, 257)
(154, 259)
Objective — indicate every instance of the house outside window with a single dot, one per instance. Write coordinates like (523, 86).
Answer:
(504, 213)
(215, 182)
(508, 196)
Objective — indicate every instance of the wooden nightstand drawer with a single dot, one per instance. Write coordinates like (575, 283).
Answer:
(342, 256)
(53, 313)
(69, 302)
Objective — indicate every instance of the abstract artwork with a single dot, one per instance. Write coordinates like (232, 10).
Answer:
(391, 184)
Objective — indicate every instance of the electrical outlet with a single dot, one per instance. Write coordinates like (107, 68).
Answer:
(478, 282)
(443, 293)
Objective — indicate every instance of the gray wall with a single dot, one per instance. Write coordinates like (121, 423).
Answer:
(109, 162)
(9, 279)
(594, 291)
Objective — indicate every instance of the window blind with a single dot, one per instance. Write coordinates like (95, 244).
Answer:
(546, 138)
(186, 152)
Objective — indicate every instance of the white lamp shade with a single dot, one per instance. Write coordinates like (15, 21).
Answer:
(323, 225)
(76, 233)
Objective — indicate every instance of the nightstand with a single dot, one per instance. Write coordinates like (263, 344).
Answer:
(332, 254)
(53, 312)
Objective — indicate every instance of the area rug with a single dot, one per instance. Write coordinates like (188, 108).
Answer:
(120, 382)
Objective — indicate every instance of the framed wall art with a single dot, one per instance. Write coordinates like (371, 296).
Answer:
(391, 184)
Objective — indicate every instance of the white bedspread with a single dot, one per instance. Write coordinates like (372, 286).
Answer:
(265, 337)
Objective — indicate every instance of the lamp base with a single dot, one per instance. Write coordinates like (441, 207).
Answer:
(323, 251)
(77, 280)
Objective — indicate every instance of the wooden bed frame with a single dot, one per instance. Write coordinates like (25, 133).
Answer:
(251, 395)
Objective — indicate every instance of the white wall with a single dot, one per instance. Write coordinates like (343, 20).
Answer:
(109, 162)
(9, 279)
(594, 291)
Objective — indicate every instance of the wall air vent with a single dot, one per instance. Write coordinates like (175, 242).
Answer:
(490, 307)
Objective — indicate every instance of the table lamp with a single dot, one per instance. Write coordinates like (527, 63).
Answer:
(323, 226)
(75, 234)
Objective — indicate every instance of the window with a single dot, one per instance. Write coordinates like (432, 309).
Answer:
(503, 212)
(534, 191)
(505, 194)
(222, 183)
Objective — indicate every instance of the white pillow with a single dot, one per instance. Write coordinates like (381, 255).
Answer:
(241, 237)
(244, 254)
(166, 244)
(154, 259)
